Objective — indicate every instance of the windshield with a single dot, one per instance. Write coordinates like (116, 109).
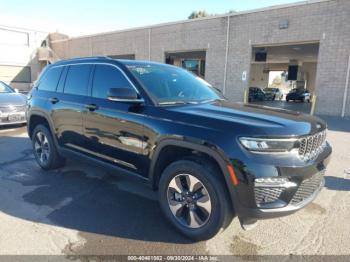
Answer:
(5, 88)
(171, 85)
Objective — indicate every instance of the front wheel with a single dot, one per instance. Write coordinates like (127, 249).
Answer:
(194, 199)
(44, 148)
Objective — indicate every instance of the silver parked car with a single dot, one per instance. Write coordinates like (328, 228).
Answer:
(12, 106)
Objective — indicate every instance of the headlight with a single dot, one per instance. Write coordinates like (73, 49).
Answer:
(268, 144)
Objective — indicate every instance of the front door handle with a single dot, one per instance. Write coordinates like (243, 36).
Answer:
(91, 107)
(54, 100)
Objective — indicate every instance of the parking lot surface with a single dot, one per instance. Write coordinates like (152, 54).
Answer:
(82, 209)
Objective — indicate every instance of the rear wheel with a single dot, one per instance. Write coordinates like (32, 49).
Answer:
(194, 199)
(44, 148)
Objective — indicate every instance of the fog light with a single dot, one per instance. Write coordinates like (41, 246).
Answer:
(274, 182)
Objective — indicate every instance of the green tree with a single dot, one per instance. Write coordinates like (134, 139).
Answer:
(198, 14)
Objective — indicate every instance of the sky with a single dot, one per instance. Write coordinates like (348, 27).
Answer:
(81, 17)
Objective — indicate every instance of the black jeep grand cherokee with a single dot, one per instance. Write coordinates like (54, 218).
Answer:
(209, 159)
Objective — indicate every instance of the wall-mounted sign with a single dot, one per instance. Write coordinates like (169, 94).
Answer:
(244, 75)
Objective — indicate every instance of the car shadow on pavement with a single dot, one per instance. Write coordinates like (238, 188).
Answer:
(337, 183)
(82, 198)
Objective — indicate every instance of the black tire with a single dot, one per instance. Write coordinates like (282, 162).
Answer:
(221, 209)
(53, 160)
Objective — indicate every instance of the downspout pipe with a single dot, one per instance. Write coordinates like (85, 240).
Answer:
(226, 53)
(346, 89)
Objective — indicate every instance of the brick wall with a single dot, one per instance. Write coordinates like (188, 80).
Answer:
(326, 22)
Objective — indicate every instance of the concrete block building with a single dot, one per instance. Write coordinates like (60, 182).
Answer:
(239, 50)
(19, 65)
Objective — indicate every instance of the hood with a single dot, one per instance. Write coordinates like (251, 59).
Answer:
(14, 99)
(249, 119)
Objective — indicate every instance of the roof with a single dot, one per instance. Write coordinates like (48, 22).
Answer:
(95, 59)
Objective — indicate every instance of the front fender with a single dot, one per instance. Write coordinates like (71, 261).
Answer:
(200, 146)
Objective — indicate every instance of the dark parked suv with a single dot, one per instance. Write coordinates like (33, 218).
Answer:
(209, 159)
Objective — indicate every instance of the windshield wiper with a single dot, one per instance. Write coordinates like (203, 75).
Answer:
(211, 100)
(178, 102)
(190, 102)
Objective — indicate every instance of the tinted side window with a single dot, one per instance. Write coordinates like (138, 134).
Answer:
(107, 77)
(50, 79)
(60, 86)
(77, 80)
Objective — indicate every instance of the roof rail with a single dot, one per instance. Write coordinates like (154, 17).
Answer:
(89, 57)
(62, 61)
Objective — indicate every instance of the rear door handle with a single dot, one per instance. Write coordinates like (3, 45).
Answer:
(54, 100)
(91, 107)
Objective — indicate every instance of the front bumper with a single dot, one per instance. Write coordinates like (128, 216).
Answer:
(276, 201)
(264, 213)
(13, 123)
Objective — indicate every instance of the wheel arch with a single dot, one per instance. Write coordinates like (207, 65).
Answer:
(38, 117)
(212, 151)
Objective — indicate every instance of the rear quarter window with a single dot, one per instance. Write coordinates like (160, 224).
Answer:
(50, 79)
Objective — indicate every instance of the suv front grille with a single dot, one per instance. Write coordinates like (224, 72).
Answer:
(307, 188)
(265, 195)
(310, 146)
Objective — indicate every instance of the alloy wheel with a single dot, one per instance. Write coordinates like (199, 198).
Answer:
(189, 201)
(42, 148)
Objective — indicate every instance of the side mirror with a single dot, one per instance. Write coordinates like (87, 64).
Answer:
(124, 94)
(16, 90)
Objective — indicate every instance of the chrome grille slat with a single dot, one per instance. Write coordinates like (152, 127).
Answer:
(307, 188)
(310, 146)
(264, 195)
